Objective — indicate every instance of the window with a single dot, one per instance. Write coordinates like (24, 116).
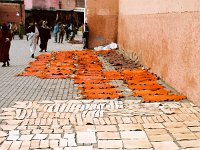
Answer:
(68, 2)
(80, 3)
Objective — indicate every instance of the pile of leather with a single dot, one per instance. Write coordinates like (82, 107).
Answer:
(87, 71)
(57, 65)
(119, 61)
(144, 84)
(75, 42)
(91, 78)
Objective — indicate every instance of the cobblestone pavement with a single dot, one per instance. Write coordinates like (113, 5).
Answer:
(49, 114)
(13, 88)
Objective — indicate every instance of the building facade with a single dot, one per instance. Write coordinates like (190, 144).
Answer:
(41, 4)
(102, 18)
(12, 11)
(163, 34)
(54, 10)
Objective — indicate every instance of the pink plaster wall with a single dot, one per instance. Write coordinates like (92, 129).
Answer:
(167, 41)
(41, 4)
(8, 13)
(102, 18)
(28, 4)
(68, 5)
(47, 4)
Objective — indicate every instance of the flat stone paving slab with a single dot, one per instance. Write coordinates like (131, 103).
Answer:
(37, 131)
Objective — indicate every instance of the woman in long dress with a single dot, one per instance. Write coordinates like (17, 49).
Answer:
(44, 36)
(5, 42)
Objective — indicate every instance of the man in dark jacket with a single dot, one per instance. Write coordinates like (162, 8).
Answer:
(85, 36)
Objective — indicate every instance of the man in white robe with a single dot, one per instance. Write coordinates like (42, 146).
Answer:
(33, 34)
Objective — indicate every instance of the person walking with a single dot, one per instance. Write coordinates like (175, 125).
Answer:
(68, 31)
(55, 31)
(81, 28)
(44, 33)
(85, 36)
(5, 42)
(21, 30)
(33, 34)
(61, 33)
(14, 29)
(71, 28)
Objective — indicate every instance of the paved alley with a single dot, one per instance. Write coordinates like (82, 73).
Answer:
(52, 114)
(26, 88)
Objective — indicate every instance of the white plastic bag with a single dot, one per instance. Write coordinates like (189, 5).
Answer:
(107, 47)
